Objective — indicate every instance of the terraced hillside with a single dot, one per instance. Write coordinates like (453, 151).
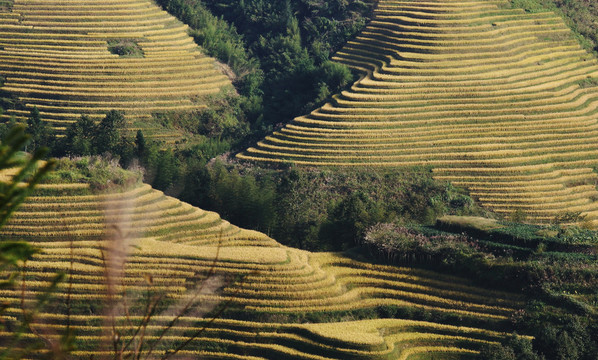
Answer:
(55, 55)
(176, 246)
(497, 100)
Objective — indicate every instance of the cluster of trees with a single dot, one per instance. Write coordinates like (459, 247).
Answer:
(278, 50)
(111, 138)
(84, 137)
(309, 209)
(566, 337)
(401, 244)
(320, 209)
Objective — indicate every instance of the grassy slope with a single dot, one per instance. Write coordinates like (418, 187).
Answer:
(580, 15)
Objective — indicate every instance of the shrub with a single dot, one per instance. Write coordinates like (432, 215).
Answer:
(398, 243)
(125, 47)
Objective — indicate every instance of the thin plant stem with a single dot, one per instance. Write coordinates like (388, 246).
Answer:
(191, 301)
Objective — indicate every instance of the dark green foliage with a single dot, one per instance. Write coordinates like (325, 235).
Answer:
(513, 348)
(166, 170)
(561, 337)
(348, 220)
(325, 26)
(401, 245)
(108, 132)
(140, 145)
(79, 139)
(6, 127)
(219, 38)
(295, 82)
(126, 150)
(334, 76)
(497, 352)
(293, 40)
(41, 133)
(278, 51)
(84, 137)
(313, 209)
(211, 148)
(222, 119)
(246, 201)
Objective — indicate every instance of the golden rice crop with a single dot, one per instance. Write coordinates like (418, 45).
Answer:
(73, 47)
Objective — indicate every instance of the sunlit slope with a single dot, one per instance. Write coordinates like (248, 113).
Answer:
(264, 283)
(495, 99)
(54, 55)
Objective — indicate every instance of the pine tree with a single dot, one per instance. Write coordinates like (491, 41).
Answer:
(79, 137)
(41, 133)
(108, 132)
(140, 144)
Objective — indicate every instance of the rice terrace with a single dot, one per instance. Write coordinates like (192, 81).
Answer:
(490, 97)
(299, 179)
(71, 58)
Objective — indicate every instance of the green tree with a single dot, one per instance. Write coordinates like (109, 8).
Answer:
(108, 132)
(126, 149)
(5, 128)
(166, 170)
(41, 133)
(79, 137)
(140, 144)
(350, 218)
